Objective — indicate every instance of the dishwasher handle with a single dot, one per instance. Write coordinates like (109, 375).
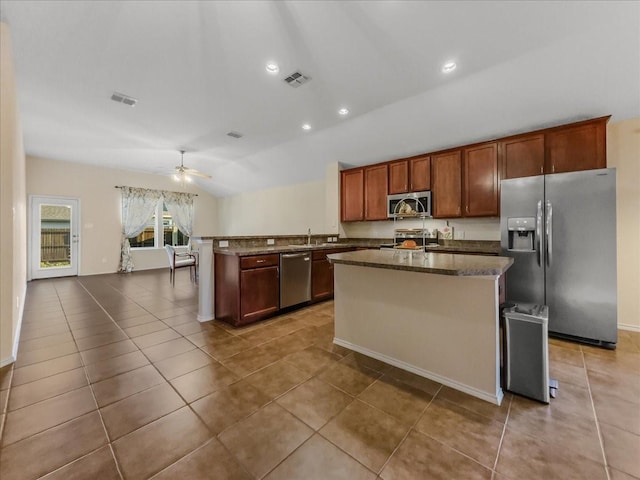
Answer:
(296, 255)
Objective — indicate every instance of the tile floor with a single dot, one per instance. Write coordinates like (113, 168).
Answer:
(116, 379)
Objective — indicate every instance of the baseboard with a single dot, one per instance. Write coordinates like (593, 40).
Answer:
(495, 399)
(631, 328)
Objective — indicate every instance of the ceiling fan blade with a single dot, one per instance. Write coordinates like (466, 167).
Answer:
(197, 173)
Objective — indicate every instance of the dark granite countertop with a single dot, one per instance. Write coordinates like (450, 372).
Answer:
(245, 251)
(418, 261)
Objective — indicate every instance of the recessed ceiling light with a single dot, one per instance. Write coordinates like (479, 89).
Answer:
(343, 111)
(449, 67)
(272, 68)
(306, 126)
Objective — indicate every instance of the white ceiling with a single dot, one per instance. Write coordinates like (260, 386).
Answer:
(198, 71)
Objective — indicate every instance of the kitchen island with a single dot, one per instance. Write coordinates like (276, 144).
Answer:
(432, 314)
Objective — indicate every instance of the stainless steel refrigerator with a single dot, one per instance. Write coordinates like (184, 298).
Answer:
(560, 230)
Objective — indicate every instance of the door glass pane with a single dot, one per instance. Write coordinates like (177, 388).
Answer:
(55, 236)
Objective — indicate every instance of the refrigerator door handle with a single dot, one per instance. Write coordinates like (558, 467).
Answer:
(549, 232)
(539, 232)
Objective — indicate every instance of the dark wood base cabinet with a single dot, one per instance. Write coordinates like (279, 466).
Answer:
(247, 289)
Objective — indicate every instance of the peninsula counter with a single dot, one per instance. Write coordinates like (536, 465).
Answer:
(433, 314)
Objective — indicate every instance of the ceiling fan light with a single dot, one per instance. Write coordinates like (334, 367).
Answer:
(176, 177)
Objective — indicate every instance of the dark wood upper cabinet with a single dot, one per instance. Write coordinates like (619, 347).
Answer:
(399, 177)
(375, 192)
(579, 147)
(352, 195)
(420, 174)
(481, 180)
(446, 169)
(522, 156)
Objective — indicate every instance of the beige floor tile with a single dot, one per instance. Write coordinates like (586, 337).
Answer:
(468, 432)
(53, 448)
(421, 457)
(30, 393)
(615, 383)
(277, 378)
(40, 370)
(567, 422)
(607, 361)
(249, 361)
(153, 447)
(101, 339)
(486, 409)
(312, 359)
(168, 349)
(315, 402)
(140, 409)
(178, 365)
(264, 439)
(48, 413)
(108, 351)
(228, 405)
(150, 339)
(415, 381)
(145, 328)
(618, 475)
(543, 460)
(203, 381)
(565, 355)
(126, 384)
(211, 461)
(396, 398)
(365, 433)
(616, 411)
(114, 366)
(319, 459)
(226, 348)
(622, 449)
(99, 465)
(353, 379)
(44, 354)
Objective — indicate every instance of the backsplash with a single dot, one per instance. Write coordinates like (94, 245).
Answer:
(463, 228)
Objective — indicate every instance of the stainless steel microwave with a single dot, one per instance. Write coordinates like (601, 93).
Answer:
(415, 204)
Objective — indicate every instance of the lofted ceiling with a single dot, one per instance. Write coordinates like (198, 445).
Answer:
(197, 69)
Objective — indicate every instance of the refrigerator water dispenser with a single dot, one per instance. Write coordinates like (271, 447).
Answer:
(522, 232)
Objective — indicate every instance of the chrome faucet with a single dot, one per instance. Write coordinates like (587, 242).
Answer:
(309, 237)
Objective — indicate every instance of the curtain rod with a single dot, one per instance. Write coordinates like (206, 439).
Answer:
(194, 194)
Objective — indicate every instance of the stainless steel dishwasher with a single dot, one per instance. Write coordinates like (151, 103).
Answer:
(295, 278)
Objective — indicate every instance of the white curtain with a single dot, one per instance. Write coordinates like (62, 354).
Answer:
(138, 204)
(180, 206)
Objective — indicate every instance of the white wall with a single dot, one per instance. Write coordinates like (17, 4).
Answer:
(13, 232)
(100, 209)
(623, 153)
(289, 210)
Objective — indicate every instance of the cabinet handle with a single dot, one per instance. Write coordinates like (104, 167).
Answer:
(260, 261)
(467, 208)
(541, 169)
(458, 209)
(553, 168)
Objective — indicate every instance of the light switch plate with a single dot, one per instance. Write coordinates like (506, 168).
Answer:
(271, 241)
(223, 243)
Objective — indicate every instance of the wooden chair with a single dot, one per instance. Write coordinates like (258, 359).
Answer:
(179, 260)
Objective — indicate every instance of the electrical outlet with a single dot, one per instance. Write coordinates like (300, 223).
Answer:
(335, 239)
(329, 239)
(271, 241)
(223, 243)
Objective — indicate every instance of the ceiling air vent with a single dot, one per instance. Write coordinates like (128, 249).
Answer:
(234, 134)
(296, 79)
(122, 98)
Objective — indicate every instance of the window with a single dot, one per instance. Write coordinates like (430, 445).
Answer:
(160, 221)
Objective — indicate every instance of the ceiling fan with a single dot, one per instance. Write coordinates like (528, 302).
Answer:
(183, 174)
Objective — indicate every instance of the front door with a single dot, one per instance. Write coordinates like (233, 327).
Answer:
(54, 236)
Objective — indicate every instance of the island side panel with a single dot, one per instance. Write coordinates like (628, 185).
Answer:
(442, 327)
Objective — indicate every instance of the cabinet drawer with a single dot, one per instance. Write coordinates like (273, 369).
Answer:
(257, 261)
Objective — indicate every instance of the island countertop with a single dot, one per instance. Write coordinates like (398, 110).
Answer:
(417, 261)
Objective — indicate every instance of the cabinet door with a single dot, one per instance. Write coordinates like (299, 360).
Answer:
(399, 177)
(447, 184)
(522, 156)
(352, 195)
(321, 279)
(259, 293)
(481, 181)
(375, 192)
(576, 148)
(420, 174)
